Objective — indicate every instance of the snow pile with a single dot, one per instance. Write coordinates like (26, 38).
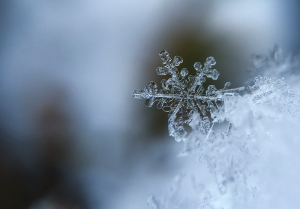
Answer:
(254, 162)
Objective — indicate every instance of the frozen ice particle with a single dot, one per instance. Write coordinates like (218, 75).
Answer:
(162, 71)
(165, 57)
(177, 61)
(184, 72)
(198, 66)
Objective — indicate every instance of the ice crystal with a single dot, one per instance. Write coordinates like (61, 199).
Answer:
(183, 96)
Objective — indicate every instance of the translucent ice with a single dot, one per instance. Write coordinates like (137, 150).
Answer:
(184, 72)
(165, 57)
(162, 71)
(177, 60)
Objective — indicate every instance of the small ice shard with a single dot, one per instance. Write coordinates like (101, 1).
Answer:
(210, 61)
(162, 71)
(165, 57)
(226, 86)
(211, 90)
(177, 61)
(198, 66)
(184, 72)
(215, 74)
(149, 102)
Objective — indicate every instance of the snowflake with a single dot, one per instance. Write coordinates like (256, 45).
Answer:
(184, 97)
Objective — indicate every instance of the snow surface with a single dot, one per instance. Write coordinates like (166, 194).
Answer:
(255, 163)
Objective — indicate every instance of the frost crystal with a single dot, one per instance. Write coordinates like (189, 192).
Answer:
(184, 97)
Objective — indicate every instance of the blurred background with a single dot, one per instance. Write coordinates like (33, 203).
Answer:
(72, 136)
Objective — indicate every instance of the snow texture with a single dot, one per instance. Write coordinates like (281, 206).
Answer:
(240, 160)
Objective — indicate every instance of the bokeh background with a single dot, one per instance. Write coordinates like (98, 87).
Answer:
(71, 134)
